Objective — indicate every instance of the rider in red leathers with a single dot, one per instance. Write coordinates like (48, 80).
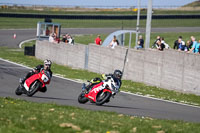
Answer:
(37, 69)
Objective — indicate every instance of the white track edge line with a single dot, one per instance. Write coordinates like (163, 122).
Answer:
(21, 43)
(160, 99)
(120, 91)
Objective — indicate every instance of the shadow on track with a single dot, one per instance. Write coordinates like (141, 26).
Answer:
(119, 107)
(55, 98)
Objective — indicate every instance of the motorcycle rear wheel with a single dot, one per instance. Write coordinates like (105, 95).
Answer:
(102, 97)
(33, 89)
(82, 99)
(18, 91)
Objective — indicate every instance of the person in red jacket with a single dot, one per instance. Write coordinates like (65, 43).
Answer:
(98, 40)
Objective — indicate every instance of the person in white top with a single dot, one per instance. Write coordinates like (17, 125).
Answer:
(166, 45)
(51, 38)
(70, 40)
(114, 42)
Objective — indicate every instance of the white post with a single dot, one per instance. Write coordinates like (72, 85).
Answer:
(148, 24)
(138, 23)
(130, 40)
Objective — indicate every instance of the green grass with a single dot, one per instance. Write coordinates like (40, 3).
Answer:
(67, 11)
(22, 23)
(21, 116)
(17, 55)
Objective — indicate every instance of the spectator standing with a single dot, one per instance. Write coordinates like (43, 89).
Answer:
(98, 40)
(64, 38)
(199, 47)
(56, 39)
(51, 38)
(47, 31)
(155, 45)
(114, 42)
(140, 43)
(163, 41)
(70, 40)
(176, 44)
(195, 46)
(181, 45)
(191, 43)
(188, 45)
(161, 46)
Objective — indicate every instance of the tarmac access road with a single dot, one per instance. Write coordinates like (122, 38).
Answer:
(65, 92)
(6, 35)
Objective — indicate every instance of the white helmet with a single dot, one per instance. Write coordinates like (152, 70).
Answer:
(47, 62)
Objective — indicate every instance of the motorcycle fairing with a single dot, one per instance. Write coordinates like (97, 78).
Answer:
(30, 80)
(106, 90)
(95, 90)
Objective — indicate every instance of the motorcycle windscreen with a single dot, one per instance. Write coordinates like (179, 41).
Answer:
(30, 80)
(95, 90)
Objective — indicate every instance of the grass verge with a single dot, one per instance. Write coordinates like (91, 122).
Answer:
(21, 116)
(16, 55)
(7, 23)
(94, 11)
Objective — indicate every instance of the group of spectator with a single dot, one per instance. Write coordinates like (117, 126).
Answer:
(112, 44)
(67, 38)
(190, 46)
(160, 43)
(180, 45)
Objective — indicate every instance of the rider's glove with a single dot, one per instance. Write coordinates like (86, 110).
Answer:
(104, 76)
(35, 71)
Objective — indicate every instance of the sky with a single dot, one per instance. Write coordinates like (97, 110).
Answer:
(100, 3)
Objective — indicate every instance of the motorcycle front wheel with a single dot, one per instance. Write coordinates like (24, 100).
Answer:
(82, 99)
(18, 91)
(102, 97)
(33, 89)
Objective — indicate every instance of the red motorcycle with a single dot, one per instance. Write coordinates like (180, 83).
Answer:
(99, 93)
(34, 83)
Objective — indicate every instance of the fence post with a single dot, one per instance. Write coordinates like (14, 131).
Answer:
(125, 60)
(86, 57)
(148, 23)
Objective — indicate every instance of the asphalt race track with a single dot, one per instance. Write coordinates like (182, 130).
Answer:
(65, 92)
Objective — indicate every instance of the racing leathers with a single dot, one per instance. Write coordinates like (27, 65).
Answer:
(105, 77)
(36, 70)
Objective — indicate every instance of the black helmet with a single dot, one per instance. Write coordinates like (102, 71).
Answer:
(117, 74)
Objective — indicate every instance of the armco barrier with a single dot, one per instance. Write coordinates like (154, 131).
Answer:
(170, 69)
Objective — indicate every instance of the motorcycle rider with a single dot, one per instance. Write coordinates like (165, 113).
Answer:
(117, 75)
(37, 69)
